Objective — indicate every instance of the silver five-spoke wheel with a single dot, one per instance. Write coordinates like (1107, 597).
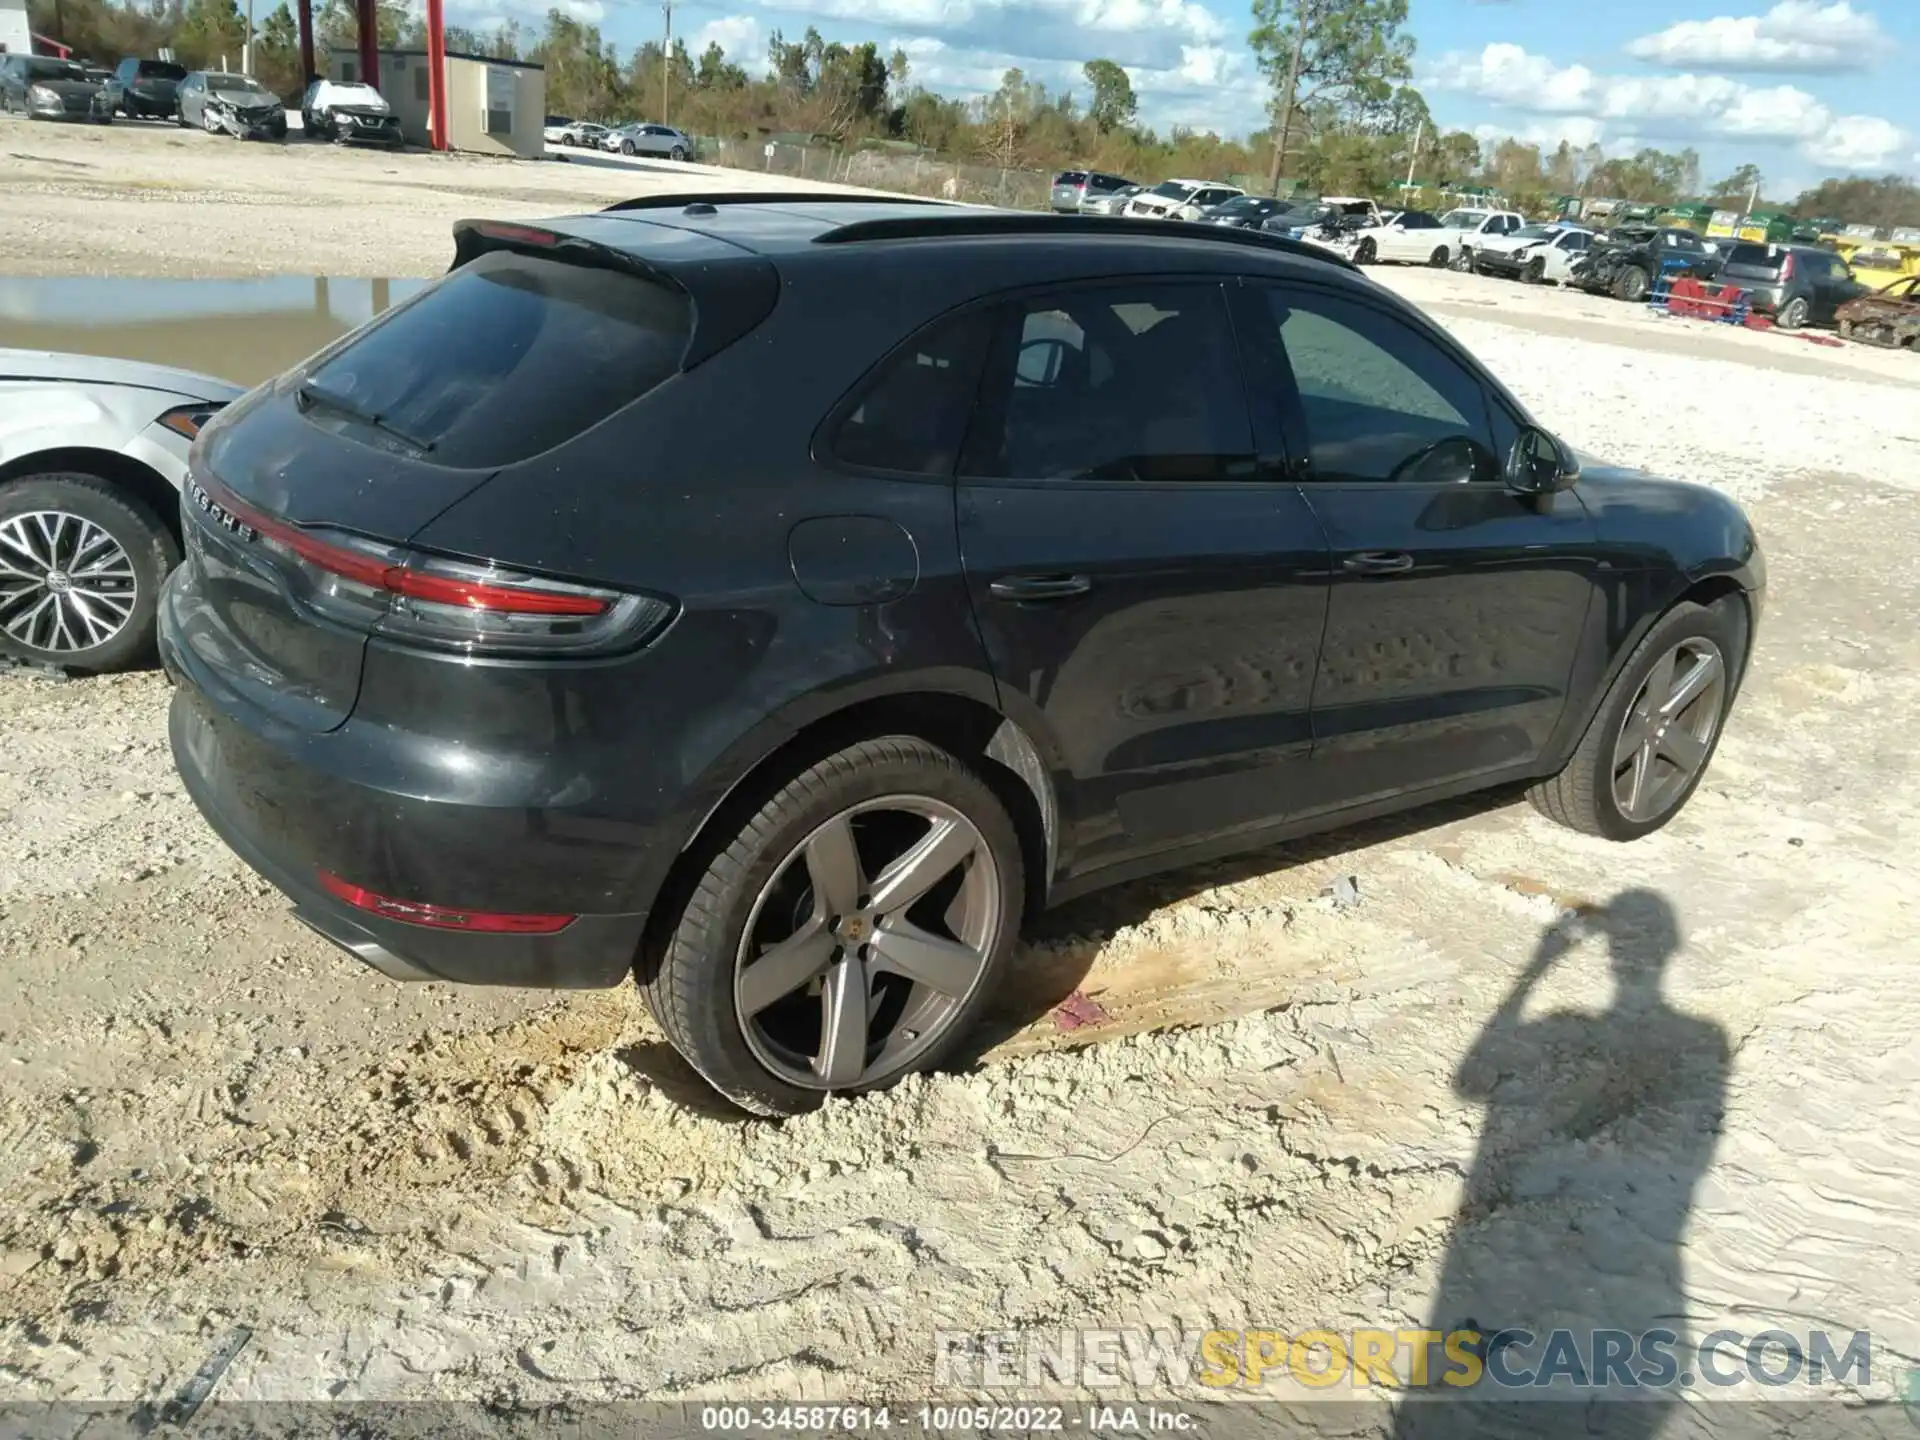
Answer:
(1668, 730)
(66, 585)
(866, 943)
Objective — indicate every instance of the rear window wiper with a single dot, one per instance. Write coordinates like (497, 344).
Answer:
(311, 395)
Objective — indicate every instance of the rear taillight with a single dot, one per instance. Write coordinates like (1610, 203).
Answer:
(441, 917)
(1786, 267)
(406, 596)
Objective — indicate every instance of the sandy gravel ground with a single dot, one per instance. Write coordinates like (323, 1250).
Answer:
(1301, 1113)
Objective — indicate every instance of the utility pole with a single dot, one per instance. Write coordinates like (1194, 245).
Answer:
(246, 50)
(666, 61)
(1419, 132)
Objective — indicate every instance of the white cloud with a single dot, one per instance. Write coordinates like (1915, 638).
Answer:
(1683, 107)
(1795, 36)
(740, 36)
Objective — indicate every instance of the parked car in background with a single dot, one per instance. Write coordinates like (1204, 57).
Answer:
(1464, 230)
(92, 455)
(1410, 237)
(47, 88)
(1244, 212)
(1534, 253)
(557, 127)
(1796, 284)
(146, 89)
(1334, 223)
(1072, 189)
(222, 103)
(994, 552)
(349, 113)
(646, 138)
(1629, 261)
(584, 135)
(1889, 316)
(1180, 199)
(1114, 203)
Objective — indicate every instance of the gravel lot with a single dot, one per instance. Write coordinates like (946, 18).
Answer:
(1298, 1114)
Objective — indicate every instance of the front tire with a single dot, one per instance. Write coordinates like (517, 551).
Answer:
(1366, 254)
(1632, 285)
(849, 934)
(1463, 262)
(679, 153)
(1535, 273)
(1439, 258)
(85, 565)
(1651, 741)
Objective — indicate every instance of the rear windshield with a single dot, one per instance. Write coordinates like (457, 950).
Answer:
(1071, 177)
(1755, 257)
(162, 70)
(510, 356)
(1172, 190)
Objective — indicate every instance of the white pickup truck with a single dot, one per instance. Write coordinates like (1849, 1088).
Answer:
(1462, 231)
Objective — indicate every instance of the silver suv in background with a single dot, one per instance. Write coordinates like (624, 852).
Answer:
(649, 139)
(1073, 190)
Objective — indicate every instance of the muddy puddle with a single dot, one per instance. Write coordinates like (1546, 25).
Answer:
(239, 330)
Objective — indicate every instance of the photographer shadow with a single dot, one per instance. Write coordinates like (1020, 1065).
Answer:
(1597, 1129)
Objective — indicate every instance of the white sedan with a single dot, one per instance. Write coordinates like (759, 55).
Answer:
(93, 453)
(1534, 253)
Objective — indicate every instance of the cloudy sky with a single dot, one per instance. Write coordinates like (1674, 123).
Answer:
(1802, 88)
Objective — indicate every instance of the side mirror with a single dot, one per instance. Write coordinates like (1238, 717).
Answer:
(1538, 464)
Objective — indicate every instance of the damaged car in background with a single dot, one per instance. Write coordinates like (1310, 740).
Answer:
(1536, 254)
(1890, 316)
(1628, 263)
(349, 113)
(236, 105)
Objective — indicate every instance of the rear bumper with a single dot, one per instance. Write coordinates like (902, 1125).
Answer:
(271, 795)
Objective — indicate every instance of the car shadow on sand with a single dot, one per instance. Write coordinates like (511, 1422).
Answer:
(1059, 947)
(1597, 1129)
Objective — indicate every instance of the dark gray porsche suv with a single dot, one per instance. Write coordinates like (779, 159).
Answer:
(777, 598)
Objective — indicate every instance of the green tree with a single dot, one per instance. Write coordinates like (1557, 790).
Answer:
(1886, 202)
(717, 73)
(1113, 106)
(1741, 184)
(1329, 55)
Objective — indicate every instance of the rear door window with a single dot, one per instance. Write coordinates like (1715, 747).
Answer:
(1135, 382)
(509, 356)
(911, 415)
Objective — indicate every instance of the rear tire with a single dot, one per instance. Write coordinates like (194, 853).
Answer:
(696, 991)
(1585, 796)
(149, 550)
(1793, 314)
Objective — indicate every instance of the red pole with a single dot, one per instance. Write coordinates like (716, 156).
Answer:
(437, 73)
(369, 15)
(306, 43)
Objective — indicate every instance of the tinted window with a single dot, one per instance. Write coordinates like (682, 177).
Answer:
(1070, 177)
(1375, 394)
(1134, 382)
(1107, 183)
(48, 69)
(1757, 256)
(509, 356)
(912, 414)
(162, 70)
(1172, 190)
(1418, 220)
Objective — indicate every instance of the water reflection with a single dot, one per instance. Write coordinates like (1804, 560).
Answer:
(239, 330)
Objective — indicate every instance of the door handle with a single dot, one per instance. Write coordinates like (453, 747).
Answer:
(1039, 587)
(1378, 562)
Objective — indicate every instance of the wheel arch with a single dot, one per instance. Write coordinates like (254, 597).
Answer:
(1002, 752)
(137, 480)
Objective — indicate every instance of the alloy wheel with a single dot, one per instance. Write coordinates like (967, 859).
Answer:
(1669, 729)
(66, 585)
(864, 946)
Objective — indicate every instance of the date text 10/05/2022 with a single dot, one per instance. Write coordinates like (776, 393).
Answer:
(977, 1418)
